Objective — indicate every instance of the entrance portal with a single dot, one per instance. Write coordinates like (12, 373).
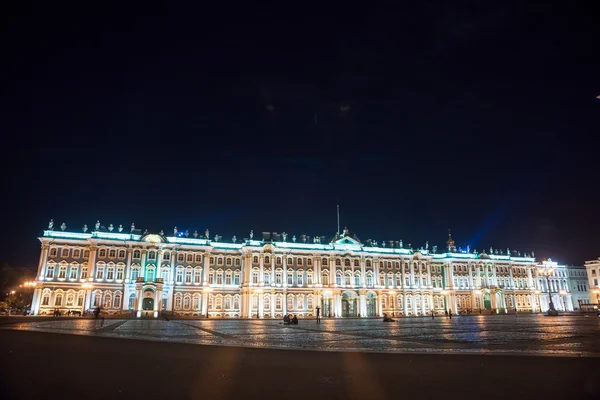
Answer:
(148, 304)
(487, 304)
(349, 304)
(371, 310)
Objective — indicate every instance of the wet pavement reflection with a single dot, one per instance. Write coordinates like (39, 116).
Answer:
(574, 335)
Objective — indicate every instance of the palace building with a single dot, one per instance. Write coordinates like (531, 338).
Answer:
(135, 273)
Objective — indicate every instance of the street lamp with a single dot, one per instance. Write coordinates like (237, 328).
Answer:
(393, 293)
(547, 272)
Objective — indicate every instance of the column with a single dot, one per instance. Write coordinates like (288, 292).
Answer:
(514, 299)
(206, 269)
(261, 270)
(379, 305)
(159, 261)
(246, 269)
(128, 266)
(530, 278)
(284, 274)
(404, 305)
(273, 299)
(37, 299)
(470, 272)
(494, 277)
(88, 299)
(363, 305)
(493, 301)
(205, 303)
(428, 275)
(412, 274)
(140, 300)
(42, 263)
(450, 275)
(512, 282)
(157, 301)
(478, 276)
(317, 275)
(273, 274)
(143, 266)
(423, 304)
(261, 304)
(92, 263)
(284, 302)
(333, 272)
(363, 277)
(569, 302)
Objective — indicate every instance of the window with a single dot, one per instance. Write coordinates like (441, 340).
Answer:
(64, 252)
(135, 272)
(278, 261)
(211, 277)
(188, 276)
(76, 253)
(228, 261)
(190, 257)
(196, 302)
(102, 253)
(309, 278)
(368, 263)
(73, 272)
(325, 277)
(165, 275)
(290, 278)
(100, 272)
(50, 272)
(300, 278)
(46, 299)
(356, 263)
(300, 261)
(255, 259)
(227, 302)
(107, 300)
(198, 258)
(53, 252)
(255, 277)
(117, 300)
(228, 276)
(179, 276)
(236, 302)
(278, 277)
(152, 255)
(348, 280)
(309, 261)
(323, 261)
(220, 261)
(338, 279)
(110, 272)
(58, 300)
(357, 280)
(80, 300)
(180, 257)
(197, 276)
(290, 261)
(62, 272)
(178, 301)
(219, 277)
(150, 274)
(166, 255)
(136, 254)
(267, 260)
(346, 262)
(338, 262)
(278, 302)
(236, 278)
(121, 255)
(120, 271)
(86, 254)
(187, 303)
(131, 301)
(112, 253)
(238, 262)
(84, 272)
(369, 280)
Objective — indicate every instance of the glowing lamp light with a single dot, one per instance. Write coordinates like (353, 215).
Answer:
(328, 292)
(87, 286)
(444, 292)
(478, 292)
(562, 292)
(392, 292)
(207, 289)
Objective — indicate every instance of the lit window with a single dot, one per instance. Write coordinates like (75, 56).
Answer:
(102, 253)
(112, 253)
(64, 252)
(76, 253)
(136, 254)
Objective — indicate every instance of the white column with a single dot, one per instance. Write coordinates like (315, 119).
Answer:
(412, 274)
(428, 275)
(261, 271)
(379, 305)
(530, 283)
(143, 266)
(363, 277)
(42, 263)
(273, 300)
(127, 266)
(92, 263)
(363, 305)
(206, 269)
(512, 282)
(332, 267)
(35, 302)
(404, 305)
(88, 299)
(204, 303)
(261, 304)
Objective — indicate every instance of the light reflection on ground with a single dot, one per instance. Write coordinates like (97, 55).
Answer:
(523, 334)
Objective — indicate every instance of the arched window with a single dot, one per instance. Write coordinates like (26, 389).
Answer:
(167, 255)
(46, 298)
(255, 259)
(267, 302)
(110, 271)
(131, 303)
(197, 276)
(255, 276)
(189, 257)
(97, 298)
(236, 302)
(227, 304)
(309, 302)
(323, 261)
(58, 300)
(357, 279)
(325, 277)
(219, 277)
(219, 302)
(165, 275)
(188, 276)
(107, 300)
(187, 302)
(112, 253)
(369, 279)
(62, 270)
(50, 271)
(196, 302)
(150, 273)
(80, 299)
(278, 304)
(267, 260)
(347, 262)
(136, 254)
(152, 255)
(117, 303)
(70, 299)
(309, 277)
(178, 301)
(338, 278)
(236, 278)
(348, 280)
(338, 262)
(368, 263)
(179, 275)
(278, 261)
(290, 261)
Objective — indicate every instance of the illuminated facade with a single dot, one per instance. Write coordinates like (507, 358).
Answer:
(593, 272)
(192, 275)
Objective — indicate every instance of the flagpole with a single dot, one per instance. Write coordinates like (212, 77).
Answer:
(338, 218)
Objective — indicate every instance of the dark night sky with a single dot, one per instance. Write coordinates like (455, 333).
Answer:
(477, 116)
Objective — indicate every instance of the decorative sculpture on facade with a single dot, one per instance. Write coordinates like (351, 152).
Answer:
(161, 233)
(234, 239)
(284, 236)
(195, 233)
(251, 234)
(175, 231)
(97, 226)
(120, 228)
(85, 228)
(187, 233)
(51, 225)
(401, 244)
(207, 234)
(110, 227)
(427, 245)
(132, 227)
(294, 238)
(63, 226)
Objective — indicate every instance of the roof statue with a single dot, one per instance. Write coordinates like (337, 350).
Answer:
(145, 231)
(375, 243)
(175, 231)
(533, 254)
(346, 231)
(216, 238)
(132, 227)
(294, 238)
(496, 251)
(51, 225)
(195, 233)
(63, 226)
(450, 243)
(161, 233)
(111, 227)
(468, 249)
(401, 244)
(409, 246)
(251, 234)
(434, 249)
(427, 245)
(234, 239)
(519, 253)
(97, 226)
(383, 243)
(303, 238)
(491, 251)
(120, 228)
(85, 228)
(508, 251)
(187, 233)
(207, 234)
(284, 236)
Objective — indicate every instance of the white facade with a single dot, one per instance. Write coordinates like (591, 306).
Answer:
(134, 274)
(579, 285)
(593, 273)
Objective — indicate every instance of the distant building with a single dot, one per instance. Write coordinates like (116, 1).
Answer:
(192, 275)
(593, 273)
(579, 285)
